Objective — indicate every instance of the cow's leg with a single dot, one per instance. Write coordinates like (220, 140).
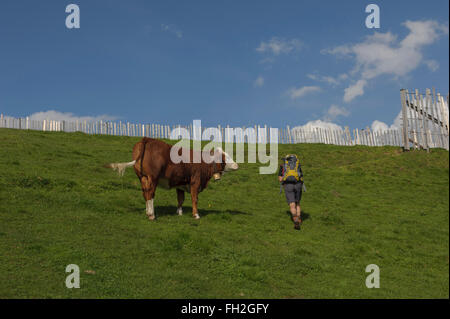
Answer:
(194, 197)
(148, 188)
(149, 209)
(180, 197)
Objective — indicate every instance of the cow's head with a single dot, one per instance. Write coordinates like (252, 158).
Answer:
(228, 165)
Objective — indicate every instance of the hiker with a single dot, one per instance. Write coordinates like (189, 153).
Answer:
(290, 176)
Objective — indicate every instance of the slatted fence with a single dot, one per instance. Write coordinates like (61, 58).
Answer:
(424, 126)
(424, 120)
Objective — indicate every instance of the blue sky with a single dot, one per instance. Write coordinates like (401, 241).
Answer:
(224, 62)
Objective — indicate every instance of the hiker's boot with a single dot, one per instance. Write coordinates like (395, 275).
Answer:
(297, 222)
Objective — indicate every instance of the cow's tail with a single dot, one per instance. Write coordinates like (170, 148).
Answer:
(120, 167)
(138, 154)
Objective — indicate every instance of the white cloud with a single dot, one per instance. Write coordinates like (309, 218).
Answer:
(258, 82)
(172, 29)
(378, 126)
(341, 50)
(382, 53)
(277, 46)
(319, 124)
(334, 112)
(68, 117)
(328, 79)
(354, 90)
(433, 65)
(295, 93)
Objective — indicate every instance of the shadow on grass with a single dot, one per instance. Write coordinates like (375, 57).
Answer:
(304, 215)
(172, 210)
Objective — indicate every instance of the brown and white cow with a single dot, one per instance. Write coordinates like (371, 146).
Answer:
(154, 167)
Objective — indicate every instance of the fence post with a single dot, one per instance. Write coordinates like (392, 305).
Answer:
(405, 121)
(347, 136)
(443, 112)
(424, 104)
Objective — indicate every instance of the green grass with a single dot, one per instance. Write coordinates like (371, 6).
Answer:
(364, 205)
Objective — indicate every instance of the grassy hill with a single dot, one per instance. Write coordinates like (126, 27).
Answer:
(364, 205)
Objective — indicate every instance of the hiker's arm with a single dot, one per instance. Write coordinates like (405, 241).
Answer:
(280, 173)
(300, 173)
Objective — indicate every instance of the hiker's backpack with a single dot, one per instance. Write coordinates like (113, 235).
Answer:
(291, 169)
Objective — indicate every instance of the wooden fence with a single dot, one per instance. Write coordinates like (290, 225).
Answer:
(256, 134)
(424, 125)
(424, 120)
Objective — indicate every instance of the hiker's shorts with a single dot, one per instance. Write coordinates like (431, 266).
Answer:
(293, 192)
